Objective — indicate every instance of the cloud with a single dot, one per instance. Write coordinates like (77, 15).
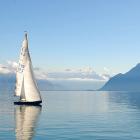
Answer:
(104, 77)
(12, 66)
(107, 70)
(1, 65)
(4, 69)
(79, 75)
(39, 73)
(112, 74)
(41, 77)
(85, 79)
(68, 74)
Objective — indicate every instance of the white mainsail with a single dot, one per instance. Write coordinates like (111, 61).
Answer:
(26, 84)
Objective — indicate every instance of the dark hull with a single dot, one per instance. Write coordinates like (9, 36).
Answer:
(27, 103)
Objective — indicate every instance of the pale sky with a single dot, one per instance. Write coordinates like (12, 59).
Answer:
(103, 35)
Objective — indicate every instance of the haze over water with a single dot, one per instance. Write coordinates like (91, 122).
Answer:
(72, 115)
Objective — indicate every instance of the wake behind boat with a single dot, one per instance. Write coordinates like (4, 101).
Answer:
(26, 85)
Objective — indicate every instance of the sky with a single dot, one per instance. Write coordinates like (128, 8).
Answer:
(102, 35)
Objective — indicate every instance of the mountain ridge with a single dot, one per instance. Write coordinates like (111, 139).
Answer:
(130, 81)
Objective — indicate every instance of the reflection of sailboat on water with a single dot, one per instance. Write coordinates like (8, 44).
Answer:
(26, 85)
(25, 121)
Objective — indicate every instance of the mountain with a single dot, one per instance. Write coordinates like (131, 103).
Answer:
(47, 85)
(7, 82)
(129, 81)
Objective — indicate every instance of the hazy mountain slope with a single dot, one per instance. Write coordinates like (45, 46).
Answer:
(47, 85)
(7, 81)
(129, 81)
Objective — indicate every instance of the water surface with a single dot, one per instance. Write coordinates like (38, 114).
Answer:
(78, 115)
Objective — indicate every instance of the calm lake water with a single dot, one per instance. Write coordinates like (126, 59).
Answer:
(76, 115)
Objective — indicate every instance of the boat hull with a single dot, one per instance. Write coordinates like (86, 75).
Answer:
(27, 103)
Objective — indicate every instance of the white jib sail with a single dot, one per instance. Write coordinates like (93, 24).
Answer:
(25, 71)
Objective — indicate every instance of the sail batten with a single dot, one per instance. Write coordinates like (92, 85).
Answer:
(26, 84)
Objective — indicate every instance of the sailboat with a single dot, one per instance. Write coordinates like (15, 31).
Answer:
(26, 85)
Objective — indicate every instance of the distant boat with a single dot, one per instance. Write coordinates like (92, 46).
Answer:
(26, 85)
